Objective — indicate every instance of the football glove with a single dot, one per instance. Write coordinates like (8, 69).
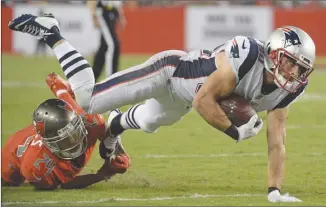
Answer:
(250, 129)
(120, 163)
(57, 84)
(115, 164)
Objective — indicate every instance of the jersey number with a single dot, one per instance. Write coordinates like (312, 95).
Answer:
(48, 163)
(22, 148)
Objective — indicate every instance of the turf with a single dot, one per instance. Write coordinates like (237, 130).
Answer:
(187, 164)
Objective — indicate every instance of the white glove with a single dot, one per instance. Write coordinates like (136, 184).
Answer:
(275, 196)
(249, 129)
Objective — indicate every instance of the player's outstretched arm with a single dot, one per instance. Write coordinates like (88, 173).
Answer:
(116, 164)
(276, 132)
(62, 90)
(276, 147)
(83, 181)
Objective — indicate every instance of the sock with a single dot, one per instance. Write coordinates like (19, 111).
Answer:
(115, 127)
(54, 38)
(75, 67)
(127, 120)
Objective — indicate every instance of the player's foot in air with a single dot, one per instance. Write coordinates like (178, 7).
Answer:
(41, 27)
(110, 143)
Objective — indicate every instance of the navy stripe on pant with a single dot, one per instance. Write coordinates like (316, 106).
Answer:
(156, 66)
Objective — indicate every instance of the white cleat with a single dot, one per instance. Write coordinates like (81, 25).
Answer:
(110, 143)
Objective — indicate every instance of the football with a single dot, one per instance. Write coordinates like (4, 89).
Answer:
(237, 109)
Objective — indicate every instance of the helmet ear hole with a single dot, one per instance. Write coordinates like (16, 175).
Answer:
(268, 48)
(272, 54)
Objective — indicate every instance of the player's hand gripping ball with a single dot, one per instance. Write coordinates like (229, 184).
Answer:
(237, 109)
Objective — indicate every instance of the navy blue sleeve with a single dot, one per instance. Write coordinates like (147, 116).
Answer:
(291, 97)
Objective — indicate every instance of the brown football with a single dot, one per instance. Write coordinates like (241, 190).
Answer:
(237, 108)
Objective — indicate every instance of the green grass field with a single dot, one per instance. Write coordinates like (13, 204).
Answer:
(187, 164)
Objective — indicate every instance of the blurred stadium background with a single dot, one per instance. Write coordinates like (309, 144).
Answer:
(189, 163)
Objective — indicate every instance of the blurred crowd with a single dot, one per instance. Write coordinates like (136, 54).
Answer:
(135, 3)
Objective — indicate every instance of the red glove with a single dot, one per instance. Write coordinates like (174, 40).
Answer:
(120, 163)
(56, 83)
(115, 164)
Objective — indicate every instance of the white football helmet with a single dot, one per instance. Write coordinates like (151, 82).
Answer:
(295, 44)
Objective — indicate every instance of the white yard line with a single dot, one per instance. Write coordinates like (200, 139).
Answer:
(158, 156)
(295, 126)
(254, 154)
(109, 200)
(18, 84)
(312, 97)
(103, 200)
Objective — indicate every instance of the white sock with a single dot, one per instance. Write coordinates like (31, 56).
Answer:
(75, 67)
(127, 120)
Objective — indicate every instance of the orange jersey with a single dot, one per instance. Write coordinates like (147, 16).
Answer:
(25, 157)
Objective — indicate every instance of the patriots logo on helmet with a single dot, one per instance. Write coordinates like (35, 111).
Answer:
(235, 49)
(291, 37)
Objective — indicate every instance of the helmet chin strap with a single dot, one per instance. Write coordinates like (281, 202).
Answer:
(279, 80)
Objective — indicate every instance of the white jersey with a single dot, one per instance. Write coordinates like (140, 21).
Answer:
(246, 57)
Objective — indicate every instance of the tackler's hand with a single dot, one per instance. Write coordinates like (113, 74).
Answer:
(57, 84)
(120, 163)
(115, 164)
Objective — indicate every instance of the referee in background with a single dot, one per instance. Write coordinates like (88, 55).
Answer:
(105, 15)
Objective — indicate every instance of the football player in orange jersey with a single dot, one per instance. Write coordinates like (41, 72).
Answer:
(52, 151)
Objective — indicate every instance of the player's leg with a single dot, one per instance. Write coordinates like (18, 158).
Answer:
(135, 84)
(107, 20)
(116, 48)
(153, 114)
(99, 58)
(148, 117)
(77, 70)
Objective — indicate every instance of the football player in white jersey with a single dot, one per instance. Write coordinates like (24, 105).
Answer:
(271, 75)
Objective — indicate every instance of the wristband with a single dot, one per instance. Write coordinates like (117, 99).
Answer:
(232, 132)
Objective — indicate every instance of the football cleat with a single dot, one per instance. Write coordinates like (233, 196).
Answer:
(106, 152)
(57, 84)
(110, 143)
(112, 115)
(41, 27)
